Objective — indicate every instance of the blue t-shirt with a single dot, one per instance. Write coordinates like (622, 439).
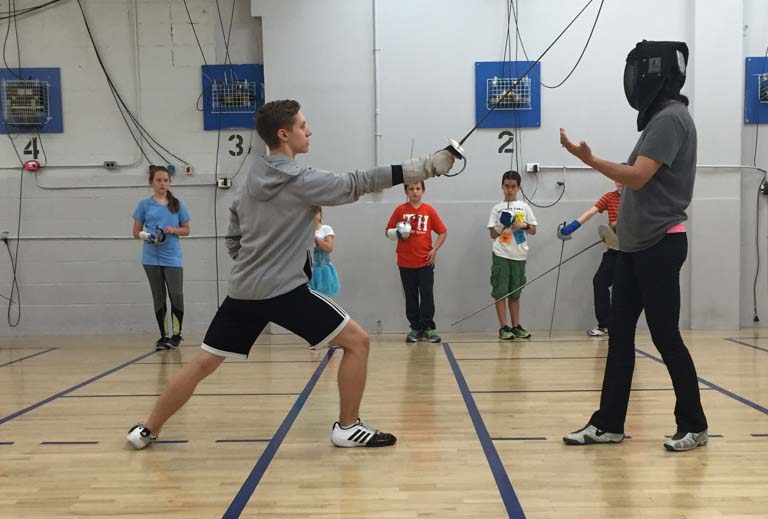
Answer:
(152, 215)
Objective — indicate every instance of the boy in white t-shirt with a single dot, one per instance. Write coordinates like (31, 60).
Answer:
(510, 223)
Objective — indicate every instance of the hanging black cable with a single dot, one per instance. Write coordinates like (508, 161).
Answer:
(27, 10)
(15, 256)
(5, 41)
(755, 317)
(589, 38)
(118, 98)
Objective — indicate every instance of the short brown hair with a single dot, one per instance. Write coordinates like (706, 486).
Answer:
(423, 186)
(273, 116)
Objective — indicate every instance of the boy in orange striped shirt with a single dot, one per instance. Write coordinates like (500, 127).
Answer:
(604, 276)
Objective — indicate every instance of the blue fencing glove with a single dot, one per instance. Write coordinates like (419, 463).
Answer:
(505, 219)
(567, 230)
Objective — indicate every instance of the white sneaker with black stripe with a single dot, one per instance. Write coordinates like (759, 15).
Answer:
(360, 435)
(139, 436)
(590, 435)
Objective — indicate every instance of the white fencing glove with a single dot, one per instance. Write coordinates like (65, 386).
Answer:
(421, 168)
(401, 231)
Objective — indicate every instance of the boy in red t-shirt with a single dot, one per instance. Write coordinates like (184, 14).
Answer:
(603, 279)
(416, 260)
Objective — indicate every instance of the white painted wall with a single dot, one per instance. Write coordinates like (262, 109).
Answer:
(321, 52)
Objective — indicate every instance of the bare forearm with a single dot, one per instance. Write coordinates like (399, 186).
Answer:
(440, 240)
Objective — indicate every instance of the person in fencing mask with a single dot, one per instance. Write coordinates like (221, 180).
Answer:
(654, 73)
(658, 180)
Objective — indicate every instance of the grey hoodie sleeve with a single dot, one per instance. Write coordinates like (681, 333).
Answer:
(323, 188)
(232, 239)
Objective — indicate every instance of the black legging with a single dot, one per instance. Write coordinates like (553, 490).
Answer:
(172, 278)
(650, 280)
(601, 284)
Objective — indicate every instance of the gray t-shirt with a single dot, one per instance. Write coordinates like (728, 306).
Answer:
(645, 215)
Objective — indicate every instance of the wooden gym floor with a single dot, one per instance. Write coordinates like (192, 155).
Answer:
(479, 425)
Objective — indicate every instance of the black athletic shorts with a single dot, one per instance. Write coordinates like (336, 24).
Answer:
(239, 322)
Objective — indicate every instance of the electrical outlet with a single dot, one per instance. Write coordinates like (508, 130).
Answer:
(188, 169)
(224, 183)
(4, 235)
(532, 167)
(110, 164)
(764, 187)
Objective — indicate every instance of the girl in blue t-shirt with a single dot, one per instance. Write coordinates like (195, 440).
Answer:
(159, 220)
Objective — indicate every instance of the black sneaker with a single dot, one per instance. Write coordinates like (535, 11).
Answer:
(175, 340)
(163, 343)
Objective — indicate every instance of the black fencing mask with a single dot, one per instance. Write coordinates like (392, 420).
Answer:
(654, 70)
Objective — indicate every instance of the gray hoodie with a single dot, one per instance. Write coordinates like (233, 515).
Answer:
(274, 218)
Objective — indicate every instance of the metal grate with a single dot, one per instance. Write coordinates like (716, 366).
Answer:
(233, 97)
(25, 102)
(762, 83)
(501, 94)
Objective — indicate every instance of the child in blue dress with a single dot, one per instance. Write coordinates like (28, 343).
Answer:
(324, 277)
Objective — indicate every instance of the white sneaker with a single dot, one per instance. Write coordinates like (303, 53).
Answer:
(139, 437)
(589, 434)
(597, 331)
(360, 435)
(686, 441)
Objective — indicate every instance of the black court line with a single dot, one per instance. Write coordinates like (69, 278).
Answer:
(492, 391)
(70, 443)
(233, 363)
(7, 443)
(747, 344)
(717, 388)
(195, 394)
(254, 440)
(760, 435)
(16, 348)
(520, 439)
(171, 441)
(462, 359)
(27, 357)
(508, 496)
(588, 340)
(252, 481)
(71, 389)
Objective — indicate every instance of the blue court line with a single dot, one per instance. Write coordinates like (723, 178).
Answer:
(27, 357)
(491, 391)
(511, 503)
(249, 485)
(747, 344)
(256, 440)
(240, 362)
(7, 443)
(521, 439)
(70, 443)
(529, 358)
(73, 388)
(717, 388)
(196, 394)
(171, 441)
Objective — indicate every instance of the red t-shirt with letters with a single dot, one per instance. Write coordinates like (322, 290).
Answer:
(412, 253)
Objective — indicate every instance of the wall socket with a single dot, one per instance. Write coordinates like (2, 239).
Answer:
(110, 164)
(4, 235)
(223, 183)
(532, 167)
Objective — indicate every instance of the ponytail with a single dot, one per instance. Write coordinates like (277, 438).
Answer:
(173, 202)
